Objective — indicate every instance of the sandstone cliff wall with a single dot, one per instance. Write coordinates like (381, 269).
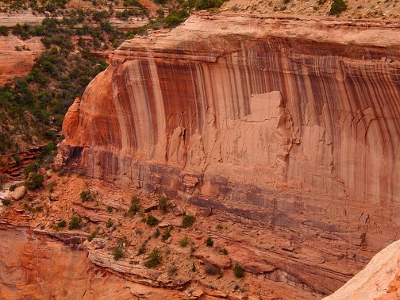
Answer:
(287, 121)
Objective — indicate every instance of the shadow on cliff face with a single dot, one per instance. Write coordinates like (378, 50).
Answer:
(74, 155)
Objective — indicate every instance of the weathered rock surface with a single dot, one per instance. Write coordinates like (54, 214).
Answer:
(291, 122)
(19, 193)
(15, 63)
(10, 20)
(379, 276)
(222, 261)
(393, 291)
(136, 273)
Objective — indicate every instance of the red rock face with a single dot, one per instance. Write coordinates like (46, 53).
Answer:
(290, 122)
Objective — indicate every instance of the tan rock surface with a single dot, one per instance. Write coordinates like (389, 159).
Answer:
(374, 279)
(18, 193)
(15, 63)
(23, 17)
(219, 260)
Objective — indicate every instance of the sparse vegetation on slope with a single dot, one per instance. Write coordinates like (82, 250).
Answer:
(75, 223)
(154, 258)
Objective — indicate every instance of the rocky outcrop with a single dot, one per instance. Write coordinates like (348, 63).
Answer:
(137, 273)
(18, 193)
(378, 277)
(17, 56)
(27, 17)
(287, 121)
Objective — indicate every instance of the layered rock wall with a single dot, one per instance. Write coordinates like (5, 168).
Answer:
(287, 121)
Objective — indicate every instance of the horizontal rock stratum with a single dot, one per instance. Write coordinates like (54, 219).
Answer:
(291, 122)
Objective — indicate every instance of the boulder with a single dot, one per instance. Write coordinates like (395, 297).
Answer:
(49, 173)
(19, 193)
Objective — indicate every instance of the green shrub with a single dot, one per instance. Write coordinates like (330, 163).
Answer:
(209, 242)
(75, 223)
(219, 273)
(92, 235)
(337, 7)
(167, 234)
(156, 233)
(109, 223)
(160, 13)
(124, 241)
(22, 31)
(17, 158)
(51, 186)
(135, 206)
(100, 16)
(124, 15)
(151, 220)
(154, 258)
(175, 17)
(109, 209)
(235, 8)
(133, 3)
(12, 187)
(184, 241)
(28, 207)
(37, 209)
(86, 196)
(142, 249)
(173, 21)
(224, 251)
(35, 181)
(188, 221)
(6, 202)
(118, 253)
(62, 224)
(32, 167)
(172, 270)
(238, 270)
(163, 203)
(4, 30)
(211, 269)
(193, 267)
(208, 4)
(50, 147)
